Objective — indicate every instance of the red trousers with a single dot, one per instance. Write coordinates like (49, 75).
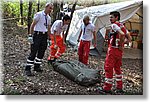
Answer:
(56, 52)
(113, 63)
(83, 51)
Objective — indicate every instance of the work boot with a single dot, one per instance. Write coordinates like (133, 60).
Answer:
(28, 71)
(103, 91)
(49, 62)
(120, 91)
(37, 68)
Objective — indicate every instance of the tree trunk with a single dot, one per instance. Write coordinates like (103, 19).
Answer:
(29, 15)
(60, 14)
(106, 2)
(21, 11)
(72, 11)
(56, 11)
(38, 6)
(61, 6)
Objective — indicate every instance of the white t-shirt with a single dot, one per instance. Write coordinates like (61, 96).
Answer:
(87, 32)
(41, 18)
(58, 27)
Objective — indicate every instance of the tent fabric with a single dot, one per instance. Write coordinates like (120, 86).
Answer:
(100, 17)
(100, 44)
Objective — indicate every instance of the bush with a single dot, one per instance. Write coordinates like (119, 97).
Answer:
(12, 9)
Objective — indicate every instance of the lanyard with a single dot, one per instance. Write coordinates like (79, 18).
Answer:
(84, 30)
(46, 21)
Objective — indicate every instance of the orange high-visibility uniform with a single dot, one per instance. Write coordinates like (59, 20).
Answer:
(56, 52)
(59, 29)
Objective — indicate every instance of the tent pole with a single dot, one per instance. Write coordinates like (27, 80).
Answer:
(130, 25)
(139, 15)
(72, 11)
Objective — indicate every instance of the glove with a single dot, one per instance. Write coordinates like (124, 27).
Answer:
(48, 43)
(30, 38)
(55, 46)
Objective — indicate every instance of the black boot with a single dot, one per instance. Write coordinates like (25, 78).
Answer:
(101, 90)
(37, 68)
(119, 91)
(51, 61)
(28, 71)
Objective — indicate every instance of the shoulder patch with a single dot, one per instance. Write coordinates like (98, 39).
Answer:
(113, 26)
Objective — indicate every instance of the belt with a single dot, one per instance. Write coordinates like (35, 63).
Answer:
(38, 32)
(85, 41)
(56, 35)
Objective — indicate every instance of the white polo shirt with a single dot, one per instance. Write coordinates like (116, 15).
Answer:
(87, 32)
(41, 18)
(58, 27)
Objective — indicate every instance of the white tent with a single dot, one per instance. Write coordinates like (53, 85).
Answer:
(100, 16)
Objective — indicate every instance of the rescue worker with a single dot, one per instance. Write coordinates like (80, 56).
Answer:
(113, 59)
(87, 33)
(38, 35)
(57, 36)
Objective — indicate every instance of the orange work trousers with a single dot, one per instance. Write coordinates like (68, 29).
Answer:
(56, 52)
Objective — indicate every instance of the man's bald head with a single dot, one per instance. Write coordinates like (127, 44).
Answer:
(48, 8)
(86, 19)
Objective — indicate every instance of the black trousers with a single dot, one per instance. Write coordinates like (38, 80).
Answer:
(37, 49)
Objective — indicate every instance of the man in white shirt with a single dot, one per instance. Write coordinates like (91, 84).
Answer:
(39, 30)
(57, 36)
(87, 32)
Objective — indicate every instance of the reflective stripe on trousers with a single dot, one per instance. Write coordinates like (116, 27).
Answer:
(38, 61)
(113, 63)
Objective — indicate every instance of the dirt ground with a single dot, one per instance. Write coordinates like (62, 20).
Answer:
(16, 50)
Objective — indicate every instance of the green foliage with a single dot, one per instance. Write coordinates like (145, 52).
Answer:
(12, 9)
